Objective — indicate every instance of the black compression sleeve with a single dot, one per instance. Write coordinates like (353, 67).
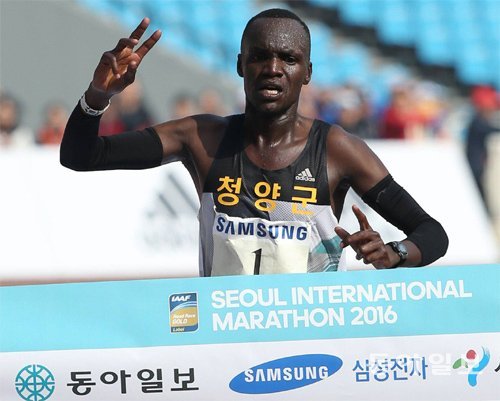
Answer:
(397, 206)
(83, 150)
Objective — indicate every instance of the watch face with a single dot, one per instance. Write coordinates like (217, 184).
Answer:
(402, 250)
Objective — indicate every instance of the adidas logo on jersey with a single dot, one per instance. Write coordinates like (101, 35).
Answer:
(305, 175)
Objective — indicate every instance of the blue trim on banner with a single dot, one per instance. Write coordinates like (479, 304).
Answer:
(124, 314)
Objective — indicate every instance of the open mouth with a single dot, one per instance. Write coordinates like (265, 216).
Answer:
(270, 91)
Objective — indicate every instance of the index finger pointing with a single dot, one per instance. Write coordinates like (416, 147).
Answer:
(363, 221)
(141, 28)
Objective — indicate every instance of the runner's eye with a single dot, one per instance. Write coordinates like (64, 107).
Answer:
(256, 58)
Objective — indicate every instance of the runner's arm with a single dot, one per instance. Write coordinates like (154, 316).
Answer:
(426, 239)
(83, 150)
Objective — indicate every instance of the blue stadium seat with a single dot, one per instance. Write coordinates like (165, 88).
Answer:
(395, 24)
(475, 64)
(324, 3)
(352, 63)
(382, 80)
(434, 45)
(359, 12)
(460, 33)
(321, 52)
(428, 11)
(170, 14)
(462, 11)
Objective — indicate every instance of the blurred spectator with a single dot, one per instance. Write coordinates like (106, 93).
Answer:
(400, 120)
(307, 102)
(485, 101)
(431, 107)
(111, 122)
(210, 102)
(327, 108)
(134, 114)
(184, 105)
(354, 112)
(11, 133)
(52, 130)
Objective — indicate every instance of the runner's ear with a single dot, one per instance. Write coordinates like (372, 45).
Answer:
(238, 66)
(307, 78)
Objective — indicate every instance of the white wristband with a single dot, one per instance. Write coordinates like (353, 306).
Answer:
(89, 110)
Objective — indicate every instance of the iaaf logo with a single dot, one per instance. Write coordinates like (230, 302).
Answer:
(181, 298)
(183, 312)
(285, 374)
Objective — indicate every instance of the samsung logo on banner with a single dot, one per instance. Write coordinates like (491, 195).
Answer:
(286, 374)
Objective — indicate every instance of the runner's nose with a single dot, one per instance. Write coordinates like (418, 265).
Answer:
(273, 67)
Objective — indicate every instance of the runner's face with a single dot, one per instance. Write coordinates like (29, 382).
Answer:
(274, 63)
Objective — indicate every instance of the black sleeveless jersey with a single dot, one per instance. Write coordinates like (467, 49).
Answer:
(256, 221)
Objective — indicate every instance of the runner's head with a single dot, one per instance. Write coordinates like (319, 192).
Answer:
(274, 60)
(302, 35)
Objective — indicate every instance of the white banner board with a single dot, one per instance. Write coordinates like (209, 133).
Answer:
(58, 225)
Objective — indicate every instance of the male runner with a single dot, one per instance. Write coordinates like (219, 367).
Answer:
(271, 182)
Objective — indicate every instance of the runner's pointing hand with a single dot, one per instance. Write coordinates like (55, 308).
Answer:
(366, 243)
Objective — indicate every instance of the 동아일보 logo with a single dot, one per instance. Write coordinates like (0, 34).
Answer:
(473, 363)
(285, 374)
(35, 383)
(183, 312)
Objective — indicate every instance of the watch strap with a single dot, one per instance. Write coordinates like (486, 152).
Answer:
(400, 250)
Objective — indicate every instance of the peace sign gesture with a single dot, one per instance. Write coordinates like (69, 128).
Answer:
(367, 243)
(116, 69)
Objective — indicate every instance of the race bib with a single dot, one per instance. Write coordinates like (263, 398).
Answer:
(259, 246)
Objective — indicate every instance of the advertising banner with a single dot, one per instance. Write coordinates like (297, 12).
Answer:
(58, 225)
(405, 334)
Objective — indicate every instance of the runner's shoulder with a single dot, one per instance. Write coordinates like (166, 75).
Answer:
(211, 124)
(347, 152)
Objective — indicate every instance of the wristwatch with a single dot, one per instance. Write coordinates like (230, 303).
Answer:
(401, 250)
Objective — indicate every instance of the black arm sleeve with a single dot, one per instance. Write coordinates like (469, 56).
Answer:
(397, 206)
(83, 150)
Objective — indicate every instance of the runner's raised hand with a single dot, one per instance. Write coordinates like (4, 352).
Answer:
(117, 68)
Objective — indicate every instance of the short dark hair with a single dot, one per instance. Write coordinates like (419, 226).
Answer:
(279, 13)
